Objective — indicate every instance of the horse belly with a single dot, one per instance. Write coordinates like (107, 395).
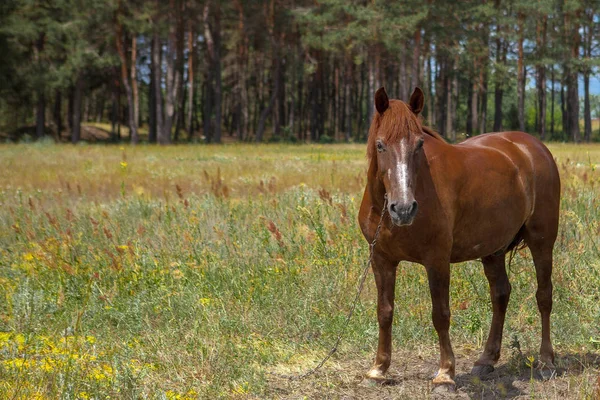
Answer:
(490, 221)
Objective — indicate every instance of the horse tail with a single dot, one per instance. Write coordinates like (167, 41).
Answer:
(518, 243)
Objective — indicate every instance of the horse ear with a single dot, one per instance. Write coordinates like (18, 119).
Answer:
(417, 99)
(381, 100)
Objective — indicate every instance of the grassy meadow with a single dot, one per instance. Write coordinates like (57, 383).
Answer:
(188, 272)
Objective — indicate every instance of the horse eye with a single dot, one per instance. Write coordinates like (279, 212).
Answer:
(379, 146)
(419, 145)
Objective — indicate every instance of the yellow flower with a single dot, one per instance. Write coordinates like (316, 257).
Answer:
(90, 339)
(124, 164)
(102, 373)
(241, 388)
(28, 256)
(171, 395)
(46, 365)
(4, 338)
(205, 301)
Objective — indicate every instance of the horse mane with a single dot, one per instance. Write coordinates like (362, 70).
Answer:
(433, 133)
(396, 120)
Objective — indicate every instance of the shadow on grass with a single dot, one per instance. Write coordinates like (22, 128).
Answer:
(517, 378)
(410, 377)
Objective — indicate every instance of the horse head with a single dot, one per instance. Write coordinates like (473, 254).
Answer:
(396, 147)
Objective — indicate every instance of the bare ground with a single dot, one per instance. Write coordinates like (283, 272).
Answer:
(409, 377)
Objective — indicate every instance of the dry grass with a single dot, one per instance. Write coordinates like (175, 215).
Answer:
(190, 271)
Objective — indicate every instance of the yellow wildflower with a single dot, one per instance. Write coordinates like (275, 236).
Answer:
(205, 301)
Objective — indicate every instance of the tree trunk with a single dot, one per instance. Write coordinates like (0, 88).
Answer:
(263, 115)
(281, 121)
(563, 105)
(207, 107)
(134, 83)
(474, 106)
(430, 83)
(469, 122)
(347, 102)
(371, 89)
(314, 101)
(114, 110)
(40, 126)
(483, 105)
(498, 94)
(521, 76)
(552, 103)
(415, 61)
(404, 91)
(172, 74)
(58, 121)
(78, 91)
(217, 68)
(125, 79)
(276, 76)
(179, 101)
(541, 77)
(587, 115)
(442, 94)
(572, 87)
(499, 86)
(100, 107)
(157, 73)
(587, 52)
(542, 102)
(300, 90)
(190, 93)
(451, 134)
(360, 102)
(573, 105)
(152, 97)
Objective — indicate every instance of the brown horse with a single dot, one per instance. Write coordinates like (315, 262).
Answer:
(451, 203)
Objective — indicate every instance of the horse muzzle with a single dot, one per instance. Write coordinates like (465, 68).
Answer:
(403, 213)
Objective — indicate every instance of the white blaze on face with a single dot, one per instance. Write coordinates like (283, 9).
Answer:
(401, 171)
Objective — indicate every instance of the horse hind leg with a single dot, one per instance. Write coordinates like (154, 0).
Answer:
(542, 258)
(495, 272)
(540, 240)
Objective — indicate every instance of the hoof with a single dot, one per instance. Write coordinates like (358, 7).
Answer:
(546, 368)
(444, 388)
(443, 378)
(547, 372)
(375, 375)
(482, 370)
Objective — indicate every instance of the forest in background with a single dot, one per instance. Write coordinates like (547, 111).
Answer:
(295, 70)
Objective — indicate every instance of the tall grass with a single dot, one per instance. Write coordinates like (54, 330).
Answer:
(187, 272)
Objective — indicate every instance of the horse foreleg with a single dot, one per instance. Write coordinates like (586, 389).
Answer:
(495, 272)
(439, 286)
(385, 280)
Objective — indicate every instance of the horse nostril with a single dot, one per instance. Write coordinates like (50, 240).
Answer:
(413, 207)
(393, 208)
